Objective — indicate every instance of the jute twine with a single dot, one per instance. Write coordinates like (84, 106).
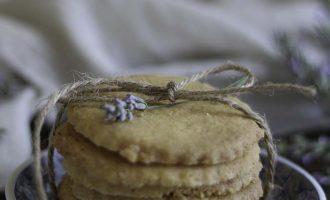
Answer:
(92, 92)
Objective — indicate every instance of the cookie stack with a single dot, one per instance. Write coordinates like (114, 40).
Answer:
(187, 150)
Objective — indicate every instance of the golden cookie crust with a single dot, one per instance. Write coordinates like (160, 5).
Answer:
(100, 185)
(252, 192)
(65, 190)
(99, 162)
(189, 133)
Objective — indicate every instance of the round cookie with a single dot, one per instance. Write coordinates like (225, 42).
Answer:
(251, 192)
(189, 133)
(103, 187)
(65, 190)
(99, 162)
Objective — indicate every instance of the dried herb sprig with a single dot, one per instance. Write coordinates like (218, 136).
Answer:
(121, 109)
(306, 72)
(311, 153)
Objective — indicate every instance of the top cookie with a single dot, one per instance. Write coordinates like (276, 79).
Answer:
(189, 133)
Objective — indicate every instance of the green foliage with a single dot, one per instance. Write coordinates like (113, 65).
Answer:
(302, 67)
(312, 152)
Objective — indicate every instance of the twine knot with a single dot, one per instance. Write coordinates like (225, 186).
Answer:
(87, 92)
(171, 89)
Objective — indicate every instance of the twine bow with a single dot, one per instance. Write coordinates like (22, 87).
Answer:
(89, 92)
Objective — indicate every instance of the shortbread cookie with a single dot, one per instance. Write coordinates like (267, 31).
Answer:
(251, 192)
(65, 190)
(99, 162)
(188, 133)
(100, 185)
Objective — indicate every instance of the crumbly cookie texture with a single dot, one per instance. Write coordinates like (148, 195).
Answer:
(65, 189)
(99, 162)
(100, 185)
(70, 190)
(195, 132)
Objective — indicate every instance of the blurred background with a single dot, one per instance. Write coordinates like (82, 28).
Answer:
(43, 44)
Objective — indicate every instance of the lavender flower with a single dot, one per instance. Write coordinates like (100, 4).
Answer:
(300, 64)
(122, 109)
(295, 66)
(322, 179)
(324, 72)
(311, 153)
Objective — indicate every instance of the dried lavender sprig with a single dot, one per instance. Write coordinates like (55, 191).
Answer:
(304, 70)
(294, 58)
(121, 109)
(307, 152)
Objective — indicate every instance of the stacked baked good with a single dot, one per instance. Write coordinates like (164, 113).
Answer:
(188, 150)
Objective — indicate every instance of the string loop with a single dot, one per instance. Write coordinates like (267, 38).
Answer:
(171, 88)
(92, 91)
